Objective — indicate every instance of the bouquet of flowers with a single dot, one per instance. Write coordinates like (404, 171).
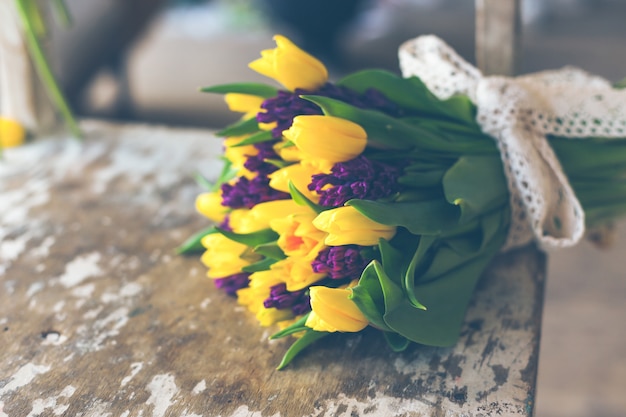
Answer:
(373, 201)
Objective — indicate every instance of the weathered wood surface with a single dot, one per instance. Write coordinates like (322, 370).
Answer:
(99, 318)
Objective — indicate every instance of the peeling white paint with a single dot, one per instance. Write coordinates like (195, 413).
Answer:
(185, 413)
(200, 386)
(41, 405)
(130, 290)
(84, 291)
(34, 288)
(93, 337)
(91, 314)
(162, 391)
(43, 249)
(23, 377)
(134, 370)
(81, 268)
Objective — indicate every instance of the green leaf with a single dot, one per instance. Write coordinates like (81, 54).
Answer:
(254, 89)
(368, 297)
(242, 127)
(270, 250)
(302, 200)
(447, 299)
(392, 294)
(263, 136)
(422, 179)
(420, 218)
(301, 343)
(62, 13)
(409, 277)
(411, 93)
(227, 174)
(476, 184)
(203, 182)
(392, 133)
(395, 261)
(193, 243)
(621, 84)
(396, 342)
(295, 327)
(253, 239)
(262, 265)
(278, 163)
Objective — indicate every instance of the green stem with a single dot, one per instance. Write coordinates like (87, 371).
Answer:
(43, 69)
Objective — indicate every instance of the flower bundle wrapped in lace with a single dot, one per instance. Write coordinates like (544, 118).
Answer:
(371, 202)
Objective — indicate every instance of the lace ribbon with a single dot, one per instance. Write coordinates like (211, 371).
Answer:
(518, 113)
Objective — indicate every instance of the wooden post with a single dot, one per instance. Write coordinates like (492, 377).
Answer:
(498, 29)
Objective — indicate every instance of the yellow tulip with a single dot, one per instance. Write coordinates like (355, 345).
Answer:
(333, 310)
(260, 216)
(346, 225)
(288, 152)
(210, 205)
(291, 66)
(326, 137)
(12, 133)
(244, 103)
(238, 155)
(300, 175)
(224, 257)
(297, 235)
(258, 290)
(296, 272)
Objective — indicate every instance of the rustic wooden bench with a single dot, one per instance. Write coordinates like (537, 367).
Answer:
(99, 317)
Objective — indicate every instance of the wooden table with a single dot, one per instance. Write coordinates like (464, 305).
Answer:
(100, 318)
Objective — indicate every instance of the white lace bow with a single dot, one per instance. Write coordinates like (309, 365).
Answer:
(518, 113)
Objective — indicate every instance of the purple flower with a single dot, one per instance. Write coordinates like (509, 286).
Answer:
(359, 178)
(245, 193)
(340, 262)
(280, 298)
(287, 105)
(232, 283)
(257, 163)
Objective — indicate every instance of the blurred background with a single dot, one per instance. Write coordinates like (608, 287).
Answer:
(144, 61)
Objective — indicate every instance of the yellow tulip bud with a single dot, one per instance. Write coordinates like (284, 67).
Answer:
(11, 133)
(346, 225)
(238, 155)
(244, 103)
(210, 205)
(333, 310)
(223, 257)
(258, 290)
(326, 137)
(296, 272)
(298, 174)
(259, 216)
(289, 152)
(297, 235)
(291, 66)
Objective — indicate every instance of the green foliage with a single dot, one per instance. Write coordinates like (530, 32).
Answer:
(253, 89)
